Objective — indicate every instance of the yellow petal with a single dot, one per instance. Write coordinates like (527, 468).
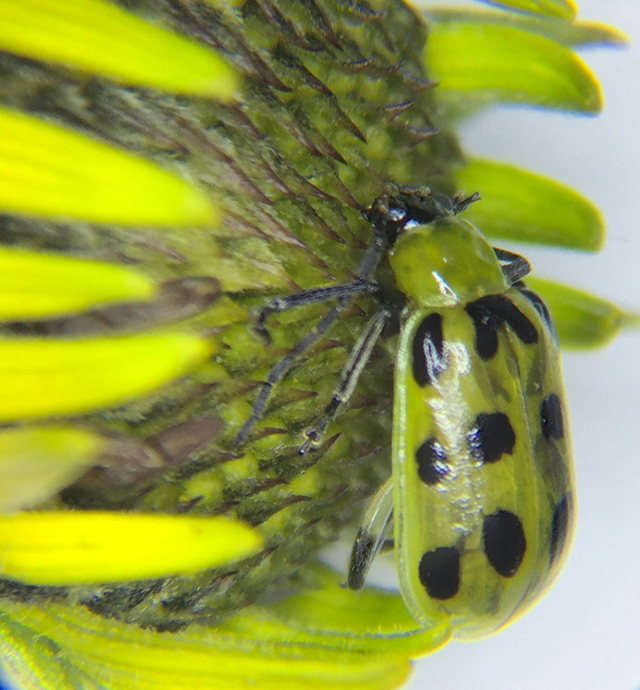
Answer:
(98, 37)
(521, 206)
(29, 663)
(494, 63)
(314, 639)
(370, 620)
(39, 378)
(122, 657)
(49, 171)
(89, 547)
(565, 9)
(583, 321)
(570, 34)
(35, 285)
(37, 463)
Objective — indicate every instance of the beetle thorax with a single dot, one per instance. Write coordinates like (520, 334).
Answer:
(445, 263)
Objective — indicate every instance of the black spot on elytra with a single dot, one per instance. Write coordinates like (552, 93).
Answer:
(488, 314)
(432, 462)
(491, 437)
(439, 572)
(519, 323)
(540, 307)
(504, 542)
(486, 327)
(427, 352)
(560, 527)
(551, 418)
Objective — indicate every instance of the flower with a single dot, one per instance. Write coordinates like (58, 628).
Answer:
(184, 162)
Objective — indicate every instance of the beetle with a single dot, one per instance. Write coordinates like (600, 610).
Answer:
(481, 497)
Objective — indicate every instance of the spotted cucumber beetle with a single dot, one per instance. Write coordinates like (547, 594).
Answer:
(481, 492)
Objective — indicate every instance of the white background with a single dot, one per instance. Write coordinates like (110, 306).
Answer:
(585, 635)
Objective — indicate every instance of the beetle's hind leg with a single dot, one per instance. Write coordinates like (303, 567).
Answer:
(374, 529)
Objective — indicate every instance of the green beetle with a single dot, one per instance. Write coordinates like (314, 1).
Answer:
(481, 497)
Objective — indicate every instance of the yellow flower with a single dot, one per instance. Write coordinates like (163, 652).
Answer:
(163, 168)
